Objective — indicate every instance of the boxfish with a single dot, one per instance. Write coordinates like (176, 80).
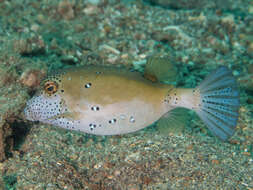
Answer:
(110, 101)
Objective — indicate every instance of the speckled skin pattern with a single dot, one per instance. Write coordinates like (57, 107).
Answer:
(100, 100)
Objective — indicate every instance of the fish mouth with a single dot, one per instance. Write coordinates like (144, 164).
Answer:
(62, 115)
(66, 114)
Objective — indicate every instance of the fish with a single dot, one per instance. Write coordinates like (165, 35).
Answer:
(103, 100)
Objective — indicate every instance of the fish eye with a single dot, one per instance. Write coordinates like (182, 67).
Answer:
(50, 87)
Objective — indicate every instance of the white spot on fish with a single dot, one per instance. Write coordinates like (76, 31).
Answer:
(88, 85)
(95, 108)
(132, 120)
(122, 116)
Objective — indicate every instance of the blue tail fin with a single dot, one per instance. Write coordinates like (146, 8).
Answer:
(219, 103)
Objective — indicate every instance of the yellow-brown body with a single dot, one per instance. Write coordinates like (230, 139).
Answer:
(132, 100)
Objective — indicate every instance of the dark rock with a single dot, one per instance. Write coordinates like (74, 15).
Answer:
(179, 4)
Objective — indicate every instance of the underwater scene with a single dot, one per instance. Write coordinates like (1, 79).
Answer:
(126, 94)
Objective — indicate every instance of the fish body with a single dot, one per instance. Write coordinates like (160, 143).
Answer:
(110, 101)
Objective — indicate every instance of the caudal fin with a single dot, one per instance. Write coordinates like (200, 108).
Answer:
(219, 103)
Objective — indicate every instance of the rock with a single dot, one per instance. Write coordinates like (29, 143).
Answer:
(32, 78)
(94, 2)
(66, 10)
(179, 4)
(5, 131)
(174, 36)
(30, 46)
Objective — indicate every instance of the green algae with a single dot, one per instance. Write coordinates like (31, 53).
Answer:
(10, 182)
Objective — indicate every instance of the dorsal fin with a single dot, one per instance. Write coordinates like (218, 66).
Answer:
(150, 77)
(160, 69)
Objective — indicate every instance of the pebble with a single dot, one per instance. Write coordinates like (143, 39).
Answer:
(117, 172)
(91, 10)
(110, 49)
(35, 27)
(97, 166)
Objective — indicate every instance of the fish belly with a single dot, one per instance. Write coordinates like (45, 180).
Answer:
(119, 118)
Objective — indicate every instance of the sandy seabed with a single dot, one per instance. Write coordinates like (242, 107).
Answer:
(37, 37)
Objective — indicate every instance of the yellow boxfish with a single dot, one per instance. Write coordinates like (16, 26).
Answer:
(110, 101)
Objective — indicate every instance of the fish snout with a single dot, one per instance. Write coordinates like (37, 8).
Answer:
(32, 110)
(41, 108)
(28, 114)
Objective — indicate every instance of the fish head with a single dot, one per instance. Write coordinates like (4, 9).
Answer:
(47, 103)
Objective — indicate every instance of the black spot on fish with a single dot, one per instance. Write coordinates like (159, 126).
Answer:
(112, 121)
(95, 108)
